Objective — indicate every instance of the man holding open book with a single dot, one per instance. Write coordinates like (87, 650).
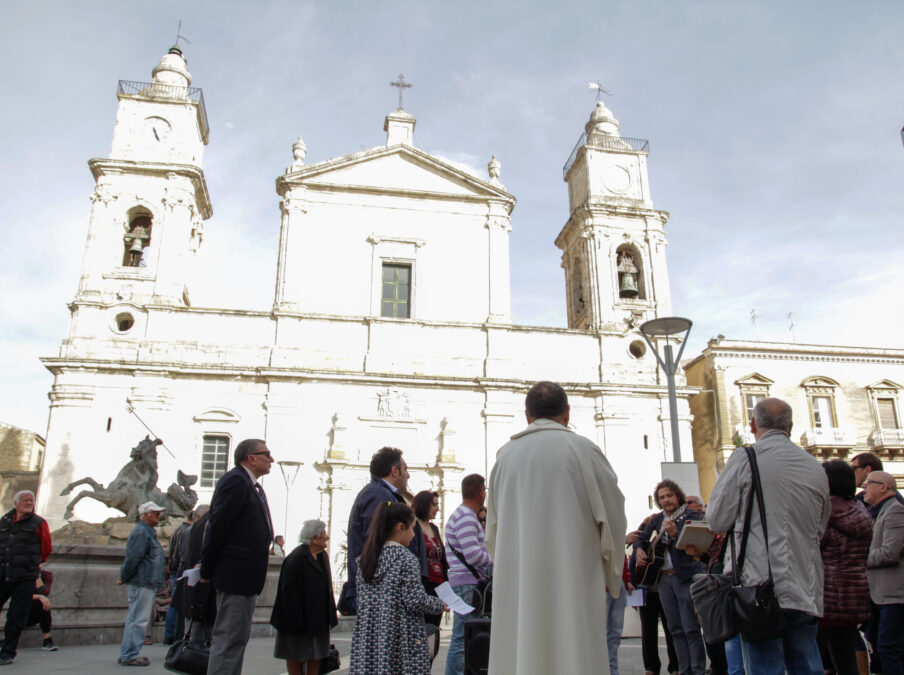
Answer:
(657, 549)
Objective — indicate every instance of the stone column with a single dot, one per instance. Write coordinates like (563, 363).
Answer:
(96, 250)
(287, 296)
(174, 236)
(499, 225)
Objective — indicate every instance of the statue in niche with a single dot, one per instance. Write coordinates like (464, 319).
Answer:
(627, 276)
(136, 483)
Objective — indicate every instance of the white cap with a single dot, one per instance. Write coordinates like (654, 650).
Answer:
(147, 507)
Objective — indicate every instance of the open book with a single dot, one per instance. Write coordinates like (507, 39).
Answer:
(697, 533)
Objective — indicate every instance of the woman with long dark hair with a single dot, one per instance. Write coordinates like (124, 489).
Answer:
(426, 506)
(844, 548)
(390, 634)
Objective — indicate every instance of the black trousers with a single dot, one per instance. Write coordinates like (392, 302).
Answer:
(651, 614)
(19, 595)
(39, 615)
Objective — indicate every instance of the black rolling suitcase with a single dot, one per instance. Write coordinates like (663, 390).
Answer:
(477, 636)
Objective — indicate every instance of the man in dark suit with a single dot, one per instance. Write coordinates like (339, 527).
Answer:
(235, 553)
(388, 478)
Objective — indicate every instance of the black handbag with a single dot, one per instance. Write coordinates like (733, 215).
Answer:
(727, 608)
(187, 657)
(331, 662)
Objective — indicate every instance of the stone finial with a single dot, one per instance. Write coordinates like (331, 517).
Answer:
(494, 168)
(299, 150)
(172, 70)
(602, 121)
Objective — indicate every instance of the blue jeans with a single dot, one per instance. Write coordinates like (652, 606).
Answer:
(891, 638)
(141, 599)
(455, 659)
(615, 622)
(795, 651)
(175, 622)
(734, 656)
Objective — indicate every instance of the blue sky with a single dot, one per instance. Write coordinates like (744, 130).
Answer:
(774, 130)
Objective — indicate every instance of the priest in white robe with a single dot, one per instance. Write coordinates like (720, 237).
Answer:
(556, 530)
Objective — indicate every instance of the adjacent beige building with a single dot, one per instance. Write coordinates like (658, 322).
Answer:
(845, 399)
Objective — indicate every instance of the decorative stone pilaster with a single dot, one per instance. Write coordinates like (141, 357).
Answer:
(499, 225)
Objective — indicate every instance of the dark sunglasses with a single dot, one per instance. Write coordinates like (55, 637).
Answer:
(266, 453)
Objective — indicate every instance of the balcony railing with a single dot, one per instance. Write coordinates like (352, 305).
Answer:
(887, 438)
(828, 437)
(604, 142)
(167, 92)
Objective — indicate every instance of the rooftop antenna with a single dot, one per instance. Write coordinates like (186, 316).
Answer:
(600, 90)
(791, 326)
(754, 319)
(179, 35)
(402, 86)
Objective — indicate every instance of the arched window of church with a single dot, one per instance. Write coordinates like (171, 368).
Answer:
(630, 273)
(137, 239)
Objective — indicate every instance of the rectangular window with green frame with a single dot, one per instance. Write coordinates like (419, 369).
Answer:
(396, 296)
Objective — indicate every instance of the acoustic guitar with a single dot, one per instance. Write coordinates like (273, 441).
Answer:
(647, 573)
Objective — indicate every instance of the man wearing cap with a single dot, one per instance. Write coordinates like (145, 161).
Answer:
(142, 572)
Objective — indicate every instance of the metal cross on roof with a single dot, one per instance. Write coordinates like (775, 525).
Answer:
(402, 86)
(599, 90)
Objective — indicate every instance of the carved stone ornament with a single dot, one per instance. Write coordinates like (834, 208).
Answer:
(299, 150)
(494, 168)
(393, 402)
(136, 483)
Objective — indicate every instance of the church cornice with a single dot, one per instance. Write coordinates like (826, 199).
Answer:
(117, 167)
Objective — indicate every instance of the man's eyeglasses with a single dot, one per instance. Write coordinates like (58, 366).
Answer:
(874, 482)
(856, 466)
(266, 454)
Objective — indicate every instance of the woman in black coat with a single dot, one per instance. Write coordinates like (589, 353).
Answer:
(305, 610)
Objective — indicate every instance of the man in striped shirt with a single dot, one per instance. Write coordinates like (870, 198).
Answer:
(465, 548)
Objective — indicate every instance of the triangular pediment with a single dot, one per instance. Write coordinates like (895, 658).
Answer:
(396, 169)
(819, 381)
(754, 379)
(885, 384)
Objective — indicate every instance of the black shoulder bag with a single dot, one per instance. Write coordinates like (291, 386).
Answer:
(187, 656)
(727, 608)
(484, 586)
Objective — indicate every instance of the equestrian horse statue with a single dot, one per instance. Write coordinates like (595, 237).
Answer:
(136, 483)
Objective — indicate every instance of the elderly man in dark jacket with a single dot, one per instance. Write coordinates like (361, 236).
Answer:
(236, 552)
(142, 571)
(24, 545)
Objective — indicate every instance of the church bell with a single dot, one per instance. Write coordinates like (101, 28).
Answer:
(628, 287)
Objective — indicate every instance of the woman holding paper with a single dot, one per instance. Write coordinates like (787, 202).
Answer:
(390, 635)
(305, 610)
(426, 506)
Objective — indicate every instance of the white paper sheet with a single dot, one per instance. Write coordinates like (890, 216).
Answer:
(193, 575)
(636, 598)
(445, 593)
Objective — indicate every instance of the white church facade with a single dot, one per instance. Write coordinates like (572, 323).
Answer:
(404, 340)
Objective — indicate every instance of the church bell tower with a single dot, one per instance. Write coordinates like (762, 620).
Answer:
(150, 199)
(613, 245)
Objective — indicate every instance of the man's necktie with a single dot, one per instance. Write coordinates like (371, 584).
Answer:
(263, 497)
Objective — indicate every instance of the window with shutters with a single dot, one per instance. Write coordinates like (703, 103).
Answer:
(396, 293)
(214, 460)
(823, 417)
(888, 415)
(821, 392)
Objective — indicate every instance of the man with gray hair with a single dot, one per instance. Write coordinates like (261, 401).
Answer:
(796, 496)
(24, 545)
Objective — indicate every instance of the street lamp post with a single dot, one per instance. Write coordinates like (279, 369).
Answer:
(289, 470)
(666, 327)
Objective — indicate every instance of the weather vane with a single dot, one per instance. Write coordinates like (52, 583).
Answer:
(599, 90)
(179, 35)
(402, 86)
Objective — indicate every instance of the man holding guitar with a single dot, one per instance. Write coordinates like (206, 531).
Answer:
(674, 569)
